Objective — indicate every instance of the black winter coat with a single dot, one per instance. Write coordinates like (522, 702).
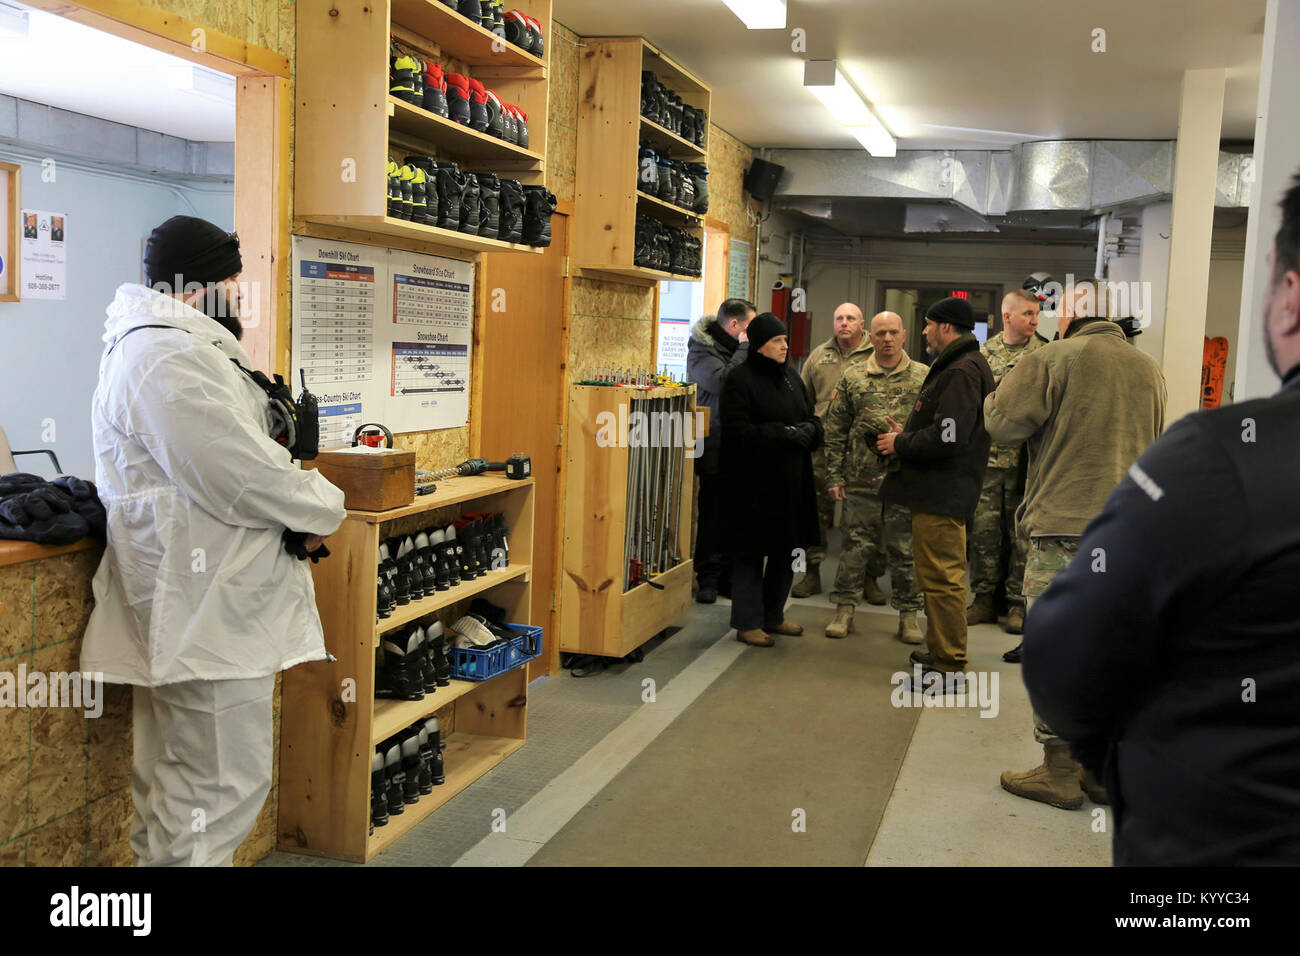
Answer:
(1168, 652)
(771, 494)
(944, 448)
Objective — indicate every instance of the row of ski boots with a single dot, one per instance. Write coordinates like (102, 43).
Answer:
(405, 767)
(438, 559)
(666, 248)
(682, 184)
(414, 663)
(456, 97)
(516, 27)
(434, 192)
(661, 105)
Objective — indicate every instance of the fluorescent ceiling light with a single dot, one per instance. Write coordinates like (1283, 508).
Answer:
(202, 82)
(759, 14)
(848, 107)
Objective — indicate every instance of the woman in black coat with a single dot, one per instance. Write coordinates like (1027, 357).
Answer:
(768, 433)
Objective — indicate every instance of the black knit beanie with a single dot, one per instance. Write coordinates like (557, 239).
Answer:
(192, 249)
(763, 329)
(954, 311)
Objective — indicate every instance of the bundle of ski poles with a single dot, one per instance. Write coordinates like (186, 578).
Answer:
(655, 473)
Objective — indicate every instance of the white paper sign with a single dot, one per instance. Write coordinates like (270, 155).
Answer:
(45, 257)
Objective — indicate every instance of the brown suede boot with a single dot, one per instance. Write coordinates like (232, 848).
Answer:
(1094, 788)
(811, 583)
(755, 638)
(1055, 782)
(982, 610)
(786, 627)
(842, 626)
(1016, 619)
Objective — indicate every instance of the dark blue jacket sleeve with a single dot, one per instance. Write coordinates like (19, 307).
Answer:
(1168, 539)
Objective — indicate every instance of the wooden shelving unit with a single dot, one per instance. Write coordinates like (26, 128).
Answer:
(331, 723)
(347, 124)
(596, 615)
(610, 131)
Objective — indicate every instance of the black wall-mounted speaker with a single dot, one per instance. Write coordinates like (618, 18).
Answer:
(761, 180)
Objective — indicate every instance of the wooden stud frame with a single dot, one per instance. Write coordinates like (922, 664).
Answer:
(11, 193)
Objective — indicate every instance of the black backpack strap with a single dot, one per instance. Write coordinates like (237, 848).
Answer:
(138, 328)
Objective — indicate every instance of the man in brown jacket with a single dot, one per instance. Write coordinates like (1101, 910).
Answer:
(1086, 406)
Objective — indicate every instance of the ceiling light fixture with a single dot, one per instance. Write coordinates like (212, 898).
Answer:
(848, 107)
(759, 14)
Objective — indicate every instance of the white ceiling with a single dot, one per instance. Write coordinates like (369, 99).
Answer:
(952, 73)
(74, 67)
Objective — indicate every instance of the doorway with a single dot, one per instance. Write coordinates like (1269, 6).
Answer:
(911, 300)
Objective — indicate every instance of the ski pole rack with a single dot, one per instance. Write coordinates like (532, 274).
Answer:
(627, 520)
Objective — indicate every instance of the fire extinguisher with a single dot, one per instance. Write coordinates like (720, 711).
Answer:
(790, 307)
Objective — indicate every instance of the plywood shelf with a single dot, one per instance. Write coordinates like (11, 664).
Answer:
(346, 121)
(462, 38)
(668, 212)
(448, 135)
(610, 131)
(663, 138)
(406, 613)
(404, 229)
(468, 757)
(330, 720)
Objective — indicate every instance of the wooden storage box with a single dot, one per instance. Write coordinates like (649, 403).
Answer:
(373, 479)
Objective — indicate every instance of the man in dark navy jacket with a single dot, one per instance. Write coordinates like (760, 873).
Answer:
(1168, 652)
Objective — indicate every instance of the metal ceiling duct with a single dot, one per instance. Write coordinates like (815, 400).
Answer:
(1086, 176)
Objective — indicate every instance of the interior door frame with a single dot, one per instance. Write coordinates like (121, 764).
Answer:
(262, 110)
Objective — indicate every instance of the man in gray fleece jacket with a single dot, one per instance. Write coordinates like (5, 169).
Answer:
(1086, 406)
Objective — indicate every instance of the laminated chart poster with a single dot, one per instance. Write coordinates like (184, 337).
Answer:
(431, 327)
(383, 336)
(337, 290)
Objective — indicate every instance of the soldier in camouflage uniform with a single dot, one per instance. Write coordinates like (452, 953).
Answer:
(870, 393)
(995, 551)
(821, 373)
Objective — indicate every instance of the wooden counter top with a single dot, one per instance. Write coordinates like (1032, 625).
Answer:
(16, 552)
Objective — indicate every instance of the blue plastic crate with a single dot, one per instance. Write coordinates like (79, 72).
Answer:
(476, 663)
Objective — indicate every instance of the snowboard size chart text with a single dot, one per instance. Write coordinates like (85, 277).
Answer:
(418, 300)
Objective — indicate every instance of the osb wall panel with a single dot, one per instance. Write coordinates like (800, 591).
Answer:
(65, 797)
(610, 323)
(562, 108)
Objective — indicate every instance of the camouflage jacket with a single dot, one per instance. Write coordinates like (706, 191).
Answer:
(1002, 358)
(824, 366)
(866, 396)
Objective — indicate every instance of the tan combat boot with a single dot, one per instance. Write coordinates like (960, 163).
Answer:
(1056, 782)
(909, 632)
(842, 626)
(755, 638)
(1094, 788)
(811, 583)
(1016, 619)
(982, 610)
(873, 593)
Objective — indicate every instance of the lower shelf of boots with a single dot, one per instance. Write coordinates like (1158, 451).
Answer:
(394, 715)
(404, 614)
(467, 757)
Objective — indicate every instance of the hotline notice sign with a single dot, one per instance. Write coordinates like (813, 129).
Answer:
(44, 254)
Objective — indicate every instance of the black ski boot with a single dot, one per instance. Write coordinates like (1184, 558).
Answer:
(436, 641)
(399, 677)
(410, 748)
(436, 747)
(396, 779)
(378, 792)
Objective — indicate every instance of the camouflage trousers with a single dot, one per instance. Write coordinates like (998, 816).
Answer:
(825, 509)
(994, 551)
(876, 536)
(1048, 556)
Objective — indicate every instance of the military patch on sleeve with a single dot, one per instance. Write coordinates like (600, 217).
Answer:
(834, 391)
